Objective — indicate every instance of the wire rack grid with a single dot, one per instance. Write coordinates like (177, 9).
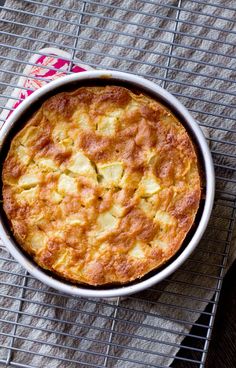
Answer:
(186, 46)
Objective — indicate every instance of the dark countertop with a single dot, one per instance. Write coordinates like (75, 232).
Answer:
(222, 351)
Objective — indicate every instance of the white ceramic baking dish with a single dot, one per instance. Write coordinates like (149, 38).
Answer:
(131, 81)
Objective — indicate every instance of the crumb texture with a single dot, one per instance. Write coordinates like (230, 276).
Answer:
(101, 185)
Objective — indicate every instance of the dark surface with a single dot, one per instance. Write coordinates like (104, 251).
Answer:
(222, 351)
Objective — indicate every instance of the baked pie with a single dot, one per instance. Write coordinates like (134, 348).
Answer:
(102, 185)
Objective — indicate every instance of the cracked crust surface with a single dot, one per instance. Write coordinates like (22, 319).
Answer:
(101, 185)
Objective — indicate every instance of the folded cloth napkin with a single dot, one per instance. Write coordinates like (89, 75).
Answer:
(149, 328)
(49, 63)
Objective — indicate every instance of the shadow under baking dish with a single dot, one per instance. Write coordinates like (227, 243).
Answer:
(71, 86)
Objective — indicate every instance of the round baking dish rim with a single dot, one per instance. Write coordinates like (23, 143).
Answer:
(208, 168)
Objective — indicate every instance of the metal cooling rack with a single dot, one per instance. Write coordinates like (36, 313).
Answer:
(188, 48)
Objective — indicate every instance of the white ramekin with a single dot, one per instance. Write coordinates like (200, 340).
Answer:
(107, 76)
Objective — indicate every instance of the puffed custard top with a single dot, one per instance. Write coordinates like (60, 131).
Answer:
(101, 185)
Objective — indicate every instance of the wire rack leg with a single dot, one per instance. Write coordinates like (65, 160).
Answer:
(111, 333)
(77, 35)
(172, 43)
(20, 304)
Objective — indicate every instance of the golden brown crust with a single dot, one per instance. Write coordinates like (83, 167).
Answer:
(102, 185)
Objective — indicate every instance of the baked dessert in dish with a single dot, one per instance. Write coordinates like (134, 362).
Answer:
(102, 185)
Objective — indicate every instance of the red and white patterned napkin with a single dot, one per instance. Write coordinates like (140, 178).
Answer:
(49, 63)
